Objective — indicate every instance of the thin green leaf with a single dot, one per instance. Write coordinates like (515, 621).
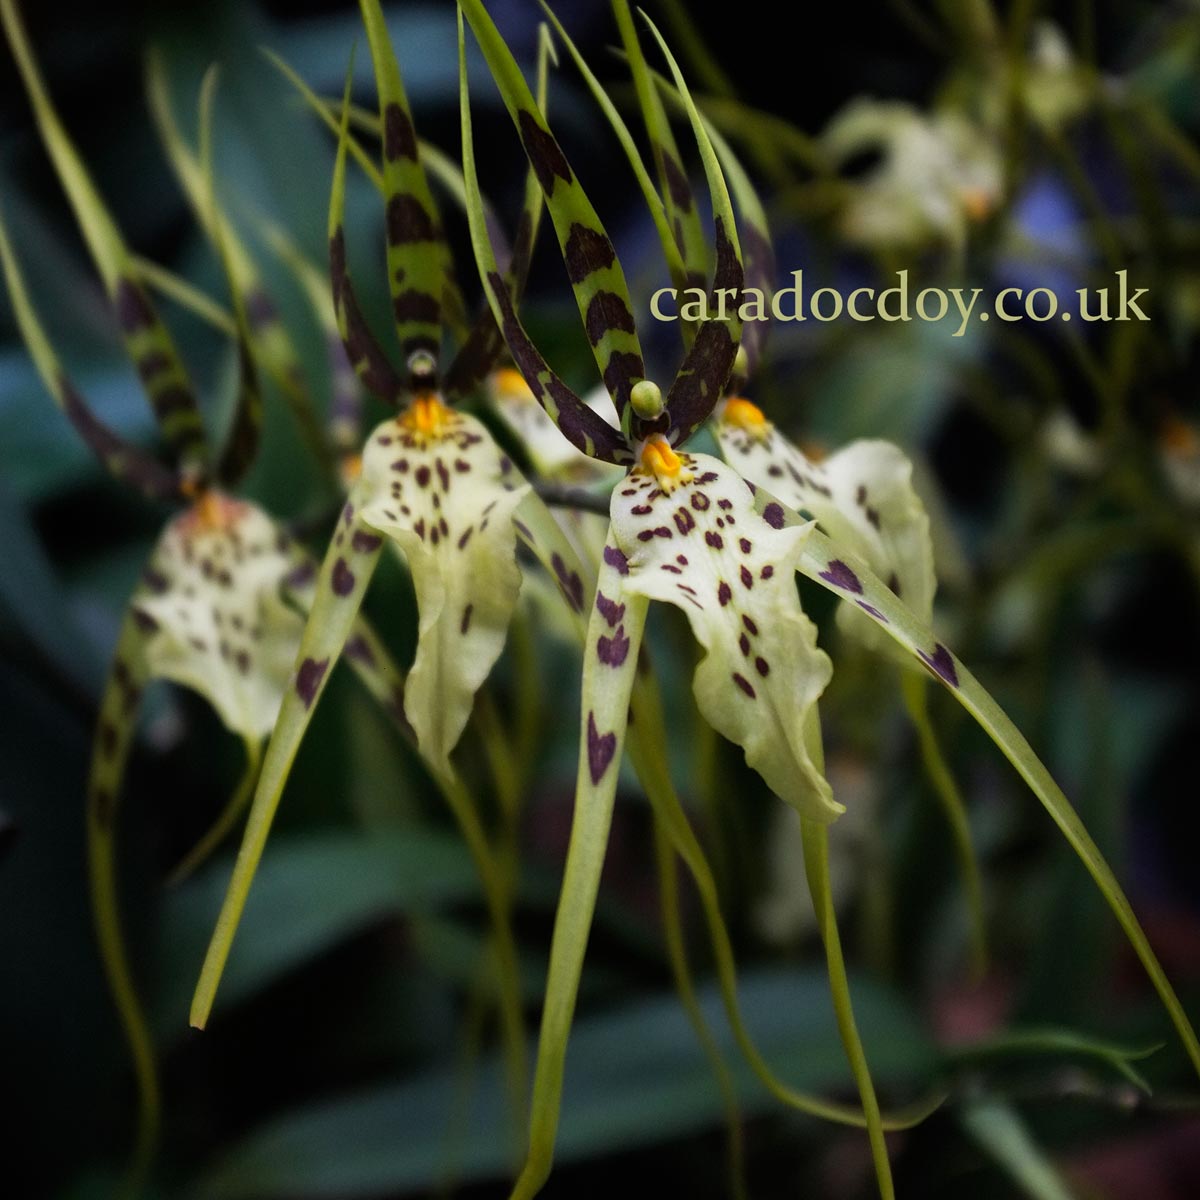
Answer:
(683, 217)
(123, 459)
(147, 341)
(267, 337)
(999, 1130)
(241, 444)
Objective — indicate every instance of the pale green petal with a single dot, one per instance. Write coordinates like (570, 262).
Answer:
(703, 547)
(213, 606)
(446, 497)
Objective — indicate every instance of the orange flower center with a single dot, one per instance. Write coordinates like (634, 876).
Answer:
(658, 457)
(426, 415)
(211, 511)
(745, 415)
(510, 384)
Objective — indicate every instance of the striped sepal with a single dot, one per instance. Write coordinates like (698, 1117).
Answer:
(417, 255)
(364, 352)
(706, 366)
(591, 261)
(582, 427)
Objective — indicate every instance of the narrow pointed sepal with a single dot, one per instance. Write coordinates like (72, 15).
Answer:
(147, 340)
(340, 586)
(696, 540)
(116, 725)
(614, 637)
(595, 273)
(121, 458)
(418, 258)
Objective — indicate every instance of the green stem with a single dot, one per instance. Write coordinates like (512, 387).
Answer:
(498, 898)
(815, 838)
(107, 917)
(816, 868)
(681, 971)
(228, 818)
(916, 700)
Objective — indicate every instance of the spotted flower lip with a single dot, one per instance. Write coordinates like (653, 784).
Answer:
(704, 546)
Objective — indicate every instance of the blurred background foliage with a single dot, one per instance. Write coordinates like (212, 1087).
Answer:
(351, 1053)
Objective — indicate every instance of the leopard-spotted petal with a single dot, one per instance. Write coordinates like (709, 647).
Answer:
(146, 339)
(696, 540)
(862, 496)
(435, 482)
(215, 618)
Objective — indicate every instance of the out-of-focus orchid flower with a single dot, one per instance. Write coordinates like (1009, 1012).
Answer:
(931, 176)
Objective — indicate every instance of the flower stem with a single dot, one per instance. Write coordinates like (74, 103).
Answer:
(681, 970)
(916, 700)
(228, 818)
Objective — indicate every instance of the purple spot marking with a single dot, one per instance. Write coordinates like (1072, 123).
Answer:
(600, 750)
(842, 577)
(941, 663)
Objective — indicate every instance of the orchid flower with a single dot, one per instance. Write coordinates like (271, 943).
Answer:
(690, 530)
(936, 174)
(215, 609)
(435, 486)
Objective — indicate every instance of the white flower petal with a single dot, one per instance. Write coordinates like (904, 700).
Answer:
(862, 496)
(703, 547)
(212, 606)
(446, 494)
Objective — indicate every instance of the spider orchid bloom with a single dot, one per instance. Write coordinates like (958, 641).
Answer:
(690, 530)
(936, 175)
(215, 608)
(434, 484)
(685, 529)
